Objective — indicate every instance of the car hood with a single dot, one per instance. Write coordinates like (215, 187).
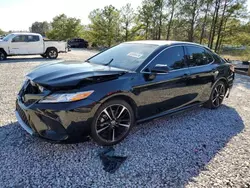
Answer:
(70, 73)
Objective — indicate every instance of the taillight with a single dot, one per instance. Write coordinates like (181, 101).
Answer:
(232, 68)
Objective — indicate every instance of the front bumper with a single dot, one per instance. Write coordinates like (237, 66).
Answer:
(56, 122)
(23, 124)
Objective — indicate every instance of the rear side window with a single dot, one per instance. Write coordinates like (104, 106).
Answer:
(198, 56)
(172, 57)
(218, 59)
(20, 38)
(33, 38)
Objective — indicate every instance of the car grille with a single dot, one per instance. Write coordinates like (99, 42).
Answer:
(22, 114)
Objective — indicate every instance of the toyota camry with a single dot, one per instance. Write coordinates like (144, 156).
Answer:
(133, 82)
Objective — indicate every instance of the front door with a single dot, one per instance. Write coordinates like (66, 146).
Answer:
(19, 45)
(164, 91)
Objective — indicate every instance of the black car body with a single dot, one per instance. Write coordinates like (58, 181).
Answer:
(78, 43)
(171, 77)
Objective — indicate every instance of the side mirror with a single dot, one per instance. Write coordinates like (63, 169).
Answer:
(160, 68)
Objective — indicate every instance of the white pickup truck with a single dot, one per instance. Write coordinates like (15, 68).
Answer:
(30, 44)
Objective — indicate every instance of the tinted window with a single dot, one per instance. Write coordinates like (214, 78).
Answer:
(218, 59)
(20, 38)
(198, 56)
(126, 55)
(33, 38)
(172, 57)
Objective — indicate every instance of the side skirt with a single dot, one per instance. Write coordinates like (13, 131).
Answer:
(170, 112)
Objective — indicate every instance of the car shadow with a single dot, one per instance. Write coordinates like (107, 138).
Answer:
(28, 59)
(169, 151)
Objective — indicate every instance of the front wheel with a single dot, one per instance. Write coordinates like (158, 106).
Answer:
(52, 53)
(112, 122)
(217, 96)
(2, 55)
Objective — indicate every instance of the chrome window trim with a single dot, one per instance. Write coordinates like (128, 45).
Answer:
(182, 45)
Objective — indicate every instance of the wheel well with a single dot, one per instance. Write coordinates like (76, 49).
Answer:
(223, 80)
(50, 48)
(1, 49)
(127, 99)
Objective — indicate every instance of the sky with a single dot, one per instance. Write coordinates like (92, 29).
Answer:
(20, 14)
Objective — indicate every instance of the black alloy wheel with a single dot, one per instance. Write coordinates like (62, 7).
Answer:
(112, 123)
(217, 96)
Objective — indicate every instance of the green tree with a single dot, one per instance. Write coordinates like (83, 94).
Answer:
(172, 5)
(158, 17)
(207, 5)
(1, 32)
(127, 21)
(146, 16)
(65, 28)
(191, 11)
(40, 27)
(230, 9)
(104, 29)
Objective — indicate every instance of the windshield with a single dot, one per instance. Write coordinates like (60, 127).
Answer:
(7, 37)
(127, 56)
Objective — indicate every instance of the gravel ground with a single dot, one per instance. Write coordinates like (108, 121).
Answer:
(199, 148)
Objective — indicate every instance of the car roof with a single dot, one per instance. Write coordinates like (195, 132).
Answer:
(25, 33)
(161, 42)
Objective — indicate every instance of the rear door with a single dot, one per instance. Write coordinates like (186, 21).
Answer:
(164, 91)
(202, 71)
(35, 44)
(19, 45)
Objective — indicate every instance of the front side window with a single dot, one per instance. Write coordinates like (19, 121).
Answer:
(8, 37)
(198, 56)
(173, 57)
(127, 56)
(33, 38)
(20, 38)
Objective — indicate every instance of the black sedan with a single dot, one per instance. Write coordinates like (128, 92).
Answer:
(109, 93)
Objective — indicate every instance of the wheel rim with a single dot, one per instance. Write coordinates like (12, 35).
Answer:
(218, 95)
(52, 53)
(113, 123)
(1, 56)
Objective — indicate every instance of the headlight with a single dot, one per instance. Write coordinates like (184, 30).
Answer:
(66, 97)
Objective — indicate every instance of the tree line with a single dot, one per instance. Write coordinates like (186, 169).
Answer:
(210, 22)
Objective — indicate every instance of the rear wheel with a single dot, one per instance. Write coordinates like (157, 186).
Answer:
(217, 96)
(52, 53)
(112, 122)
(2, 55)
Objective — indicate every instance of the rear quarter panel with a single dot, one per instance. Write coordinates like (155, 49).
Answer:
(59, 45)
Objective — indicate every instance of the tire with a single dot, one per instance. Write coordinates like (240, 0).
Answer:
(112, 122)
(52, 53)
(217, 96)
(44, 55)
(3, 55)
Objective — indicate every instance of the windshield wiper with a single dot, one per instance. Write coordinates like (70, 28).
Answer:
(106, 64)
